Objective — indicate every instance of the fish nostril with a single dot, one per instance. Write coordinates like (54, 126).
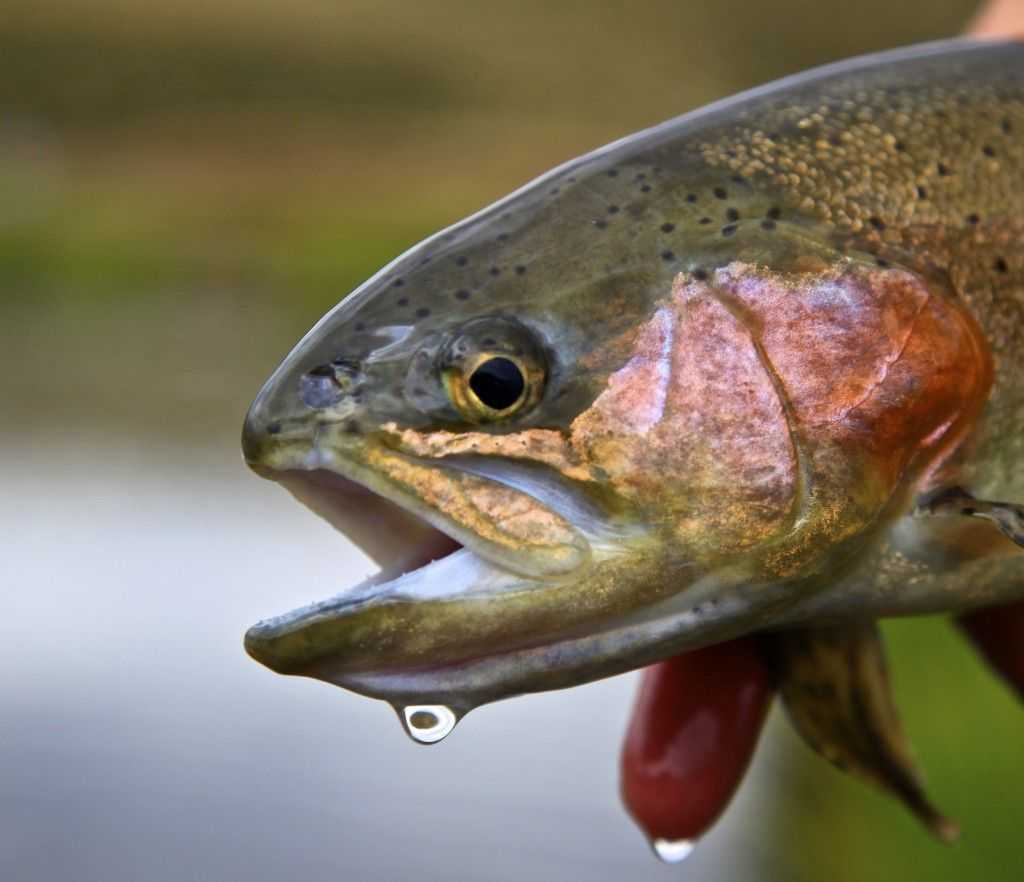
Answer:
(319, 388)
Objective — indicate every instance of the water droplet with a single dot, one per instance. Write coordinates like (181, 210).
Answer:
(673, 851)
(428, 723)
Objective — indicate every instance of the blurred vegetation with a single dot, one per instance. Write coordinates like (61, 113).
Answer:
(185, 188)
(293, 148)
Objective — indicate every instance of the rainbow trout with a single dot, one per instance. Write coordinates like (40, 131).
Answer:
(757, 369)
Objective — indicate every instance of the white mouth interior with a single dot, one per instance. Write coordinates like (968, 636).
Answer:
(418, 561)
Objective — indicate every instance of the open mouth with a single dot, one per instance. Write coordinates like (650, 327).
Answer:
(399, 542)
(419, 563)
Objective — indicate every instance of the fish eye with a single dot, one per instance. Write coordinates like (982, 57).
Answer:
(493, 369)
(498, 383)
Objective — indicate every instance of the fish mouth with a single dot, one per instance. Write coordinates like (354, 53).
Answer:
(444, 594)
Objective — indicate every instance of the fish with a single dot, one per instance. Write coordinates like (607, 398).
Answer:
(753, 373)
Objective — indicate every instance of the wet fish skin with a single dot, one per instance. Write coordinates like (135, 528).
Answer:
(888, 189)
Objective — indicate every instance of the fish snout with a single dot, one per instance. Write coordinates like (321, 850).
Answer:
(258, 433)
(293, 402)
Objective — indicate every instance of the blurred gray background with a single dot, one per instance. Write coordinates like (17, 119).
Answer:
(184, 189)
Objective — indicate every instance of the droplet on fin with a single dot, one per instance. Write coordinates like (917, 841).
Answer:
(673, 851)
(427, 723)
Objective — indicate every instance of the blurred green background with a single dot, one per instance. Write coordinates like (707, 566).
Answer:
(185, 188)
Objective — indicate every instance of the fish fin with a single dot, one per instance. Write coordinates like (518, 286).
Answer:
(955, 501)
(997, 632)
(835, 687)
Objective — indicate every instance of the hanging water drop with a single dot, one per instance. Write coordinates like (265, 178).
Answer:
(428, 723)
(673, 851)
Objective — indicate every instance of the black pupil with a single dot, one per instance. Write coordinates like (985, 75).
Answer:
(498, 383)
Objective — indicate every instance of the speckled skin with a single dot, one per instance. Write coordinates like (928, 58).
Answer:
(902, 172)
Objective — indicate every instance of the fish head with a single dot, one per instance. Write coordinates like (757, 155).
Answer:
(574, 452)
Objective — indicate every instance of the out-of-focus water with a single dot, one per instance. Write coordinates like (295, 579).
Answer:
(139, 742)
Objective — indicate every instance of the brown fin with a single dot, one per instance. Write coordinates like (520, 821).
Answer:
(956, 501)
(835, 687)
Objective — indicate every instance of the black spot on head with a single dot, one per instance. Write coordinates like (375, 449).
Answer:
(273, 428)
(397, 283)
(704, 220)
(502, 237)
(422, 312)
(720, 193)
(667, 228)
(700, 274)
(359, 326)
(942, 169)
(612, 172)
(613, 209)
(767, 224)
(461, 261)
(972, 219)
(520, 270)
(403, 301)
(774, 212)
(922, 193)
(488, 341)
(425, 260)
(729, 230)
(988, 150)
(667, 255)
(1000, 265)
(691, 197)
(731, 214)
(876, 222)
(495, 271)
(462, 294)
(881, 261)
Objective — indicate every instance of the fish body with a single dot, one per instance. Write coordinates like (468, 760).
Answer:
(700, 383)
